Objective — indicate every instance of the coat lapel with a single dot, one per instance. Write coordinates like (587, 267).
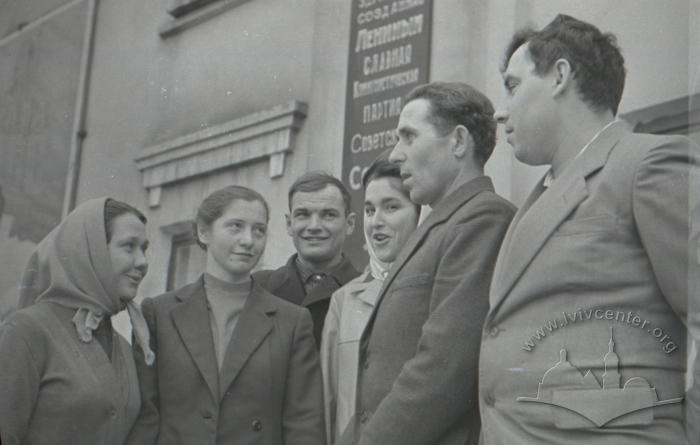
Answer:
(507, 240)
(254, 324)
(440, 214)
(285, 283)
(191, 319)
(534, 228)
(360, 287)
(545, 210)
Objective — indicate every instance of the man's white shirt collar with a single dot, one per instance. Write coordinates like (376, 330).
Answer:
(549, 177)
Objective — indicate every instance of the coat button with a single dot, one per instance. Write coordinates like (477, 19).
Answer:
(113, 413)
(494, 331)
(256, 425)
(489, 399)
(364, 417)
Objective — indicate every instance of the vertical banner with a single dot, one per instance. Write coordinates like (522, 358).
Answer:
(389, 55)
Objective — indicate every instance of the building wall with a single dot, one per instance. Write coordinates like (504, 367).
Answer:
(41, 52)
(145, 90)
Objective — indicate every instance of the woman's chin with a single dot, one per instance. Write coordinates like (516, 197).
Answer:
(124, 299)
(385, 257)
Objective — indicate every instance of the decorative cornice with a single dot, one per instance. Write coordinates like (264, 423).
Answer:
(265, 134)
(196, 13)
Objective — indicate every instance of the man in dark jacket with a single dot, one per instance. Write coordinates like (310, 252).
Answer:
(319, 219)
(419, 353)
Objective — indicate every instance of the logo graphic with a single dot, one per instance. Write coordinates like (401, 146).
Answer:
(564, 386)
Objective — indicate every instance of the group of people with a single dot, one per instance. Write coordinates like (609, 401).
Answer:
(569, 320)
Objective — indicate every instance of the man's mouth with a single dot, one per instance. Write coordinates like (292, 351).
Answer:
(314, 238)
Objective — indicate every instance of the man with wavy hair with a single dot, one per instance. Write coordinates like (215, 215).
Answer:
(595, 288)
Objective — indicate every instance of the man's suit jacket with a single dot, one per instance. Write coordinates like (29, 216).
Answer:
(286, 284)
(585, 339)
(269, 390)
(418, 366)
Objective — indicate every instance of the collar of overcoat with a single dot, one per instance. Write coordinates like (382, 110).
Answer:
(288, 279)
(545, 209)
(365, 287)
(441, 213)
(191, 318)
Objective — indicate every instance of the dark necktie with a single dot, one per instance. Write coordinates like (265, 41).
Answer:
(313, 281)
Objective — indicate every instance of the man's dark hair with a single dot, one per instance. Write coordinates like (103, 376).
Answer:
(596, 61)
(456, 103)
(317, 180)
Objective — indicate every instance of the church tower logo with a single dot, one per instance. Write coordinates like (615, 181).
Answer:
(563, 385)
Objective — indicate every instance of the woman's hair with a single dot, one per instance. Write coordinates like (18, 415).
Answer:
(383, 168)
(214, 205)
(113, 209)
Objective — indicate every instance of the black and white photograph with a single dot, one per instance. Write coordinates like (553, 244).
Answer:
(349, 222)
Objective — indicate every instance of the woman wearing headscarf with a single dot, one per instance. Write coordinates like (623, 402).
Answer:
(234, 363)
(389, 219)
(66, 377)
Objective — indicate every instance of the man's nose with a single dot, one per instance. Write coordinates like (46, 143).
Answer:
(314, 222)
(397, 156)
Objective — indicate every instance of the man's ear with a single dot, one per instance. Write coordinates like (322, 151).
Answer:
(463, 142)
(563, 76)
(288, 221)
(350, 219)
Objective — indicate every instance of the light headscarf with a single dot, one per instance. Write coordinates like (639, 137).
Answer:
(378, 268)
(72, 268)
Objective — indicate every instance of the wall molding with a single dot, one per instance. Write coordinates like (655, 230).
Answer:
(681, 115)
(185, 18)
(265, 135)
